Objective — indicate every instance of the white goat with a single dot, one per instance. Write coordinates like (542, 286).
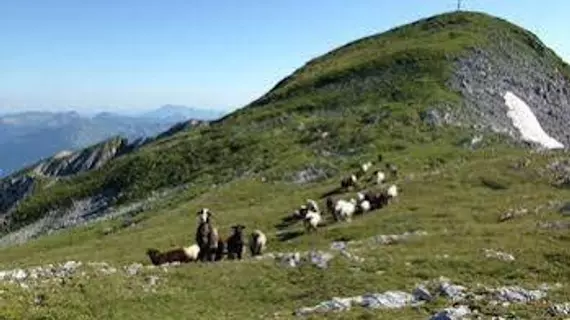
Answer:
(380, 177)
(345, 209)
(204, 215)
(312, 205)
(392, 191)
(192, 252)
(364, 206)
(257, 242)
(312, 220)
(365, 166)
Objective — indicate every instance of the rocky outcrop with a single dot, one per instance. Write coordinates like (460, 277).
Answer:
(429, 291)
(12, 190)
(17, 187)
(483, 77)
(70, 163)
(83, 211)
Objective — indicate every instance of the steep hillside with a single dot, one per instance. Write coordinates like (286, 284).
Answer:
(455, 100)
(381, 94)
(17, 187)
(57, 171)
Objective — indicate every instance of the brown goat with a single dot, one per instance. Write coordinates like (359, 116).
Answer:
(348, 182)
(377, 200)
(330, 206)
(207, 237)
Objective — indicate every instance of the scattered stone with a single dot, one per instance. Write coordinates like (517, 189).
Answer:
(561, 171)
(548, 287)
(394, 238)
(310, 174)
(339, 245)
(452, 291)
(565, 210)
(351, 256)
(389, 300)
(133, 269)
(320, 259)
(512, 214)
(492, 254)
(343, 248)
(421, 293)
(152, 280)
(386, 300)
(453, 313)
(516, 294)
(554, 225)
(291, 260)
(561, 309)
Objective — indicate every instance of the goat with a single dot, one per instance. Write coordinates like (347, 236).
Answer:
(312, 220)
(345, 209)
(181, 255)
(330, 206)
(393, 169)
(365, 166)
(350, 181)
(207, 236)
(380, 177)
(392, 192)
(301, 212)
(236, 242)
(365, 206)
(257, 243)
(377, 200)
(312, 205)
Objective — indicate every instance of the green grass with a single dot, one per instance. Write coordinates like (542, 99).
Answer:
(368, 96)
(449, 201)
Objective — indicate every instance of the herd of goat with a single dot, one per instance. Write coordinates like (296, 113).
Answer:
(210, 246)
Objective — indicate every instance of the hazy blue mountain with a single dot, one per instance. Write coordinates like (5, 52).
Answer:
(171, 112)
(29, 136)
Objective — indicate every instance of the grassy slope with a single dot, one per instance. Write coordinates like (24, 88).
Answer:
(368, 95)
(457, 210)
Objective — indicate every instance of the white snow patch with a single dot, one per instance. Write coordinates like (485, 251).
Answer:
(525, 121)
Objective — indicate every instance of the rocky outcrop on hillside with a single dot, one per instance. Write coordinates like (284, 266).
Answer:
(84, 211)
(13, 190)
(67, 163)
(483, 77)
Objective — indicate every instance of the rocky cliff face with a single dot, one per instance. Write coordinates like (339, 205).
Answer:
(13, 190)
(18, 186)
(484, 76)
(67, 163)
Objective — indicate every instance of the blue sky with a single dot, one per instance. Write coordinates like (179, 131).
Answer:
(139, 54)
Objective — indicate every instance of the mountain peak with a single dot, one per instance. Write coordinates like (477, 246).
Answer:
(179, 111)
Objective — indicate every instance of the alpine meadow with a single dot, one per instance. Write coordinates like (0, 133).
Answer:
(465, 113)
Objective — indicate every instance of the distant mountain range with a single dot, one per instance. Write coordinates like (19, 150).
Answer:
(29, 136)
